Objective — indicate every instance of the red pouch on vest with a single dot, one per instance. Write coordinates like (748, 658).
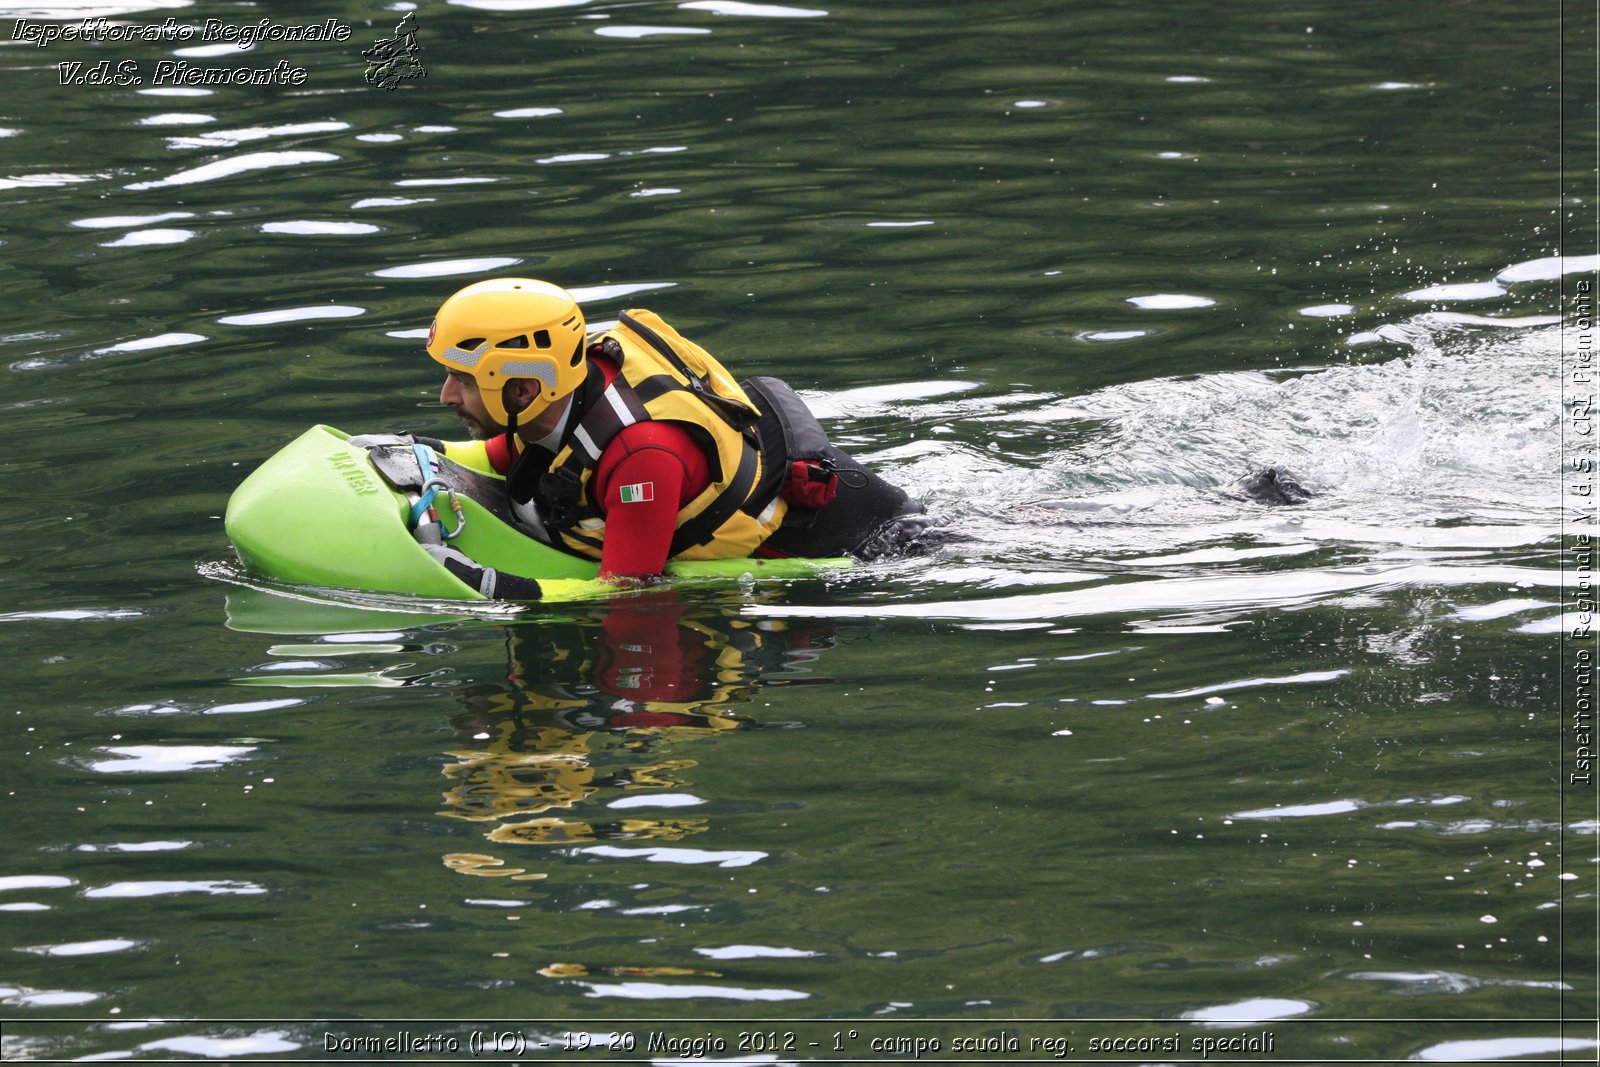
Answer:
(810, 484)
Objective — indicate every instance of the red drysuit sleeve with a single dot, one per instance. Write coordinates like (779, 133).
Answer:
(647, 473)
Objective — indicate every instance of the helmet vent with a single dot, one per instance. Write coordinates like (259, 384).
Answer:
(468, 344)
(519, 341)
(541, 339)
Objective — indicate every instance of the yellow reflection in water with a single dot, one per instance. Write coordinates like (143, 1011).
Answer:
(487, 867)
(580, 970)
(564, 831)
(584, 699)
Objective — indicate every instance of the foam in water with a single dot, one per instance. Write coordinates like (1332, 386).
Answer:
(1451, 444)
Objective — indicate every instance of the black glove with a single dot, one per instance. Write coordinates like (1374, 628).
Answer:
(496, 585)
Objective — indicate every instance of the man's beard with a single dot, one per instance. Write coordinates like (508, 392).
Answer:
(478, 431)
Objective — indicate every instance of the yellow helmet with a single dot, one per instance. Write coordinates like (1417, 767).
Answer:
(506, 328)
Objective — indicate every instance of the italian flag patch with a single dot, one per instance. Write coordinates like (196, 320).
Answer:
(638, 494)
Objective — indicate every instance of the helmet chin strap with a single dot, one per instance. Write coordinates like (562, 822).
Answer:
(511, 427)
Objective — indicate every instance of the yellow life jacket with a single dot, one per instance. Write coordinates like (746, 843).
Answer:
(663, 376)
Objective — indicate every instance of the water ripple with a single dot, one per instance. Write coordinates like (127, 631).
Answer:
(11, 883)
(308, 227)
(262, 1043)
(634, 33)
(136, 846)
(1500, 609)
(247, 707)
(234, 138)
(587, 294)
(1419, 983)
(163, 759)
(1171, 301)
(411, 182)
(72, 615)
(1504, 1048)
(1251, 683)
(448, 267)
(1548, 269)
(1179, 595)
(1249, 1012)
(46, 181)
(678, 855)
(177, 118)
(739, 7)
(228, 168)
(1459, 291)
(45, 998)
(82, 948)
(124, 221)
(755, 952)
(139, 344)
(299, 314)
(664, 991)
(1298, 811)
(657, 800)
(156, 888)
(391, 201)
(140, 238)
(517, 5)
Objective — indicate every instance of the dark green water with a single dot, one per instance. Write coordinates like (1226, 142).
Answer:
(1139, 759)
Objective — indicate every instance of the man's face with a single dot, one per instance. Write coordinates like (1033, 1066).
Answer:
(461, 393)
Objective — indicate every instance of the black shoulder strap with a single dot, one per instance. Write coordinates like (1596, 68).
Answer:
(617, 408)
(703, 527)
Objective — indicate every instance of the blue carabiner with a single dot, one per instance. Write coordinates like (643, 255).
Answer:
(430, 492)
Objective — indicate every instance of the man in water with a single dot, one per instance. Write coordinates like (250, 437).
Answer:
(635, 446)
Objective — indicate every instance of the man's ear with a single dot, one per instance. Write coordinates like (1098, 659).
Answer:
(520, 392)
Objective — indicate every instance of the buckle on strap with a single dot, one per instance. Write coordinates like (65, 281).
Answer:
(561, 489)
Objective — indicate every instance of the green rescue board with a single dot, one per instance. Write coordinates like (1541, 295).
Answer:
(318, 514)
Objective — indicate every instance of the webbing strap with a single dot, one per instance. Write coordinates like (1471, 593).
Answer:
(430, 488)
(659, 343)
(423, 505)
(618, 408)
(703, 527)
(733, 413)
